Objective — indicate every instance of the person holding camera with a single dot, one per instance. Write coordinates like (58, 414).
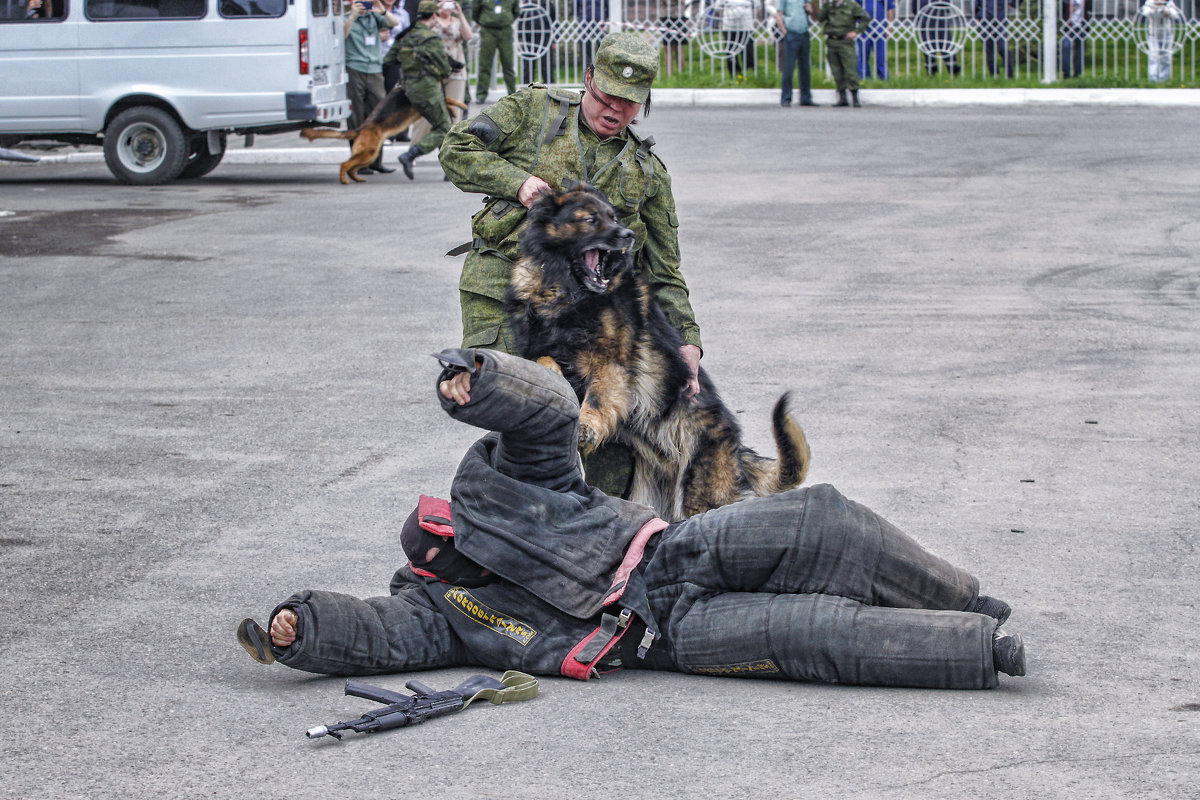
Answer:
(450, 23)
(364, 65)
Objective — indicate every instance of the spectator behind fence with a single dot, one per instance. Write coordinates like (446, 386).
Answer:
(737, 30)
(593, 21)
(1074, 17)
(934, 31)
(537, 32)
(1161, 18)
(364, 65)
(452, 26)
(873, 43)
(992, 18)
(673, 26)
(495, 19)
(792, 18)
(843, 21)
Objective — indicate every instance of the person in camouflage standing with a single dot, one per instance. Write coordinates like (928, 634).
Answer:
(540, 138)
(422, 57)
(843, 21)
(495, 19)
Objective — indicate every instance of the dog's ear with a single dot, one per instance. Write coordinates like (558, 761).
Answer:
(592, 190)
(545, 207)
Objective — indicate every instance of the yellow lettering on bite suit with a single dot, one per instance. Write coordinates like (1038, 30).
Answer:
(502, 624)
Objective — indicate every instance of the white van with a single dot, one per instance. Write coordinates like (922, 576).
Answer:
(161, 83)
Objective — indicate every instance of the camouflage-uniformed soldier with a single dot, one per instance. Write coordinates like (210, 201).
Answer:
(843, 21)
(422, 57)
(495, 19)
(540, 137)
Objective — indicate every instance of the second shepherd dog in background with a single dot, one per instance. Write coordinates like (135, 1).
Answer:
(576, 305)
(393, 114)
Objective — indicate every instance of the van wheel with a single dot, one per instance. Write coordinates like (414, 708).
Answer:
(145, 146)
(201, 160)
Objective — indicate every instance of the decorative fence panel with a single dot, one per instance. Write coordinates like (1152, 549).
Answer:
(736, 42)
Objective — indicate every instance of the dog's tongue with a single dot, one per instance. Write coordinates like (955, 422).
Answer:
(591, 258)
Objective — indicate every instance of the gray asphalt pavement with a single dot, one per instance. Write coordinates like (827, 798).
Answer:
(216, 392)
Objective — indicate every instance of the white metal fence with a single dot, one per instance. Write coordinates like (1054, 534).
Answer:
(733, 42)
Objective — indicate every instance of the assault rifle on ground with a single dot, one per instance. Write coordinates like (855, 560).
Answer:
(425, 703)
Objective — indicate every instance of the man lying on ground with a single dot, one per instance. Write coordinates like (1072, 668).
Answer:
(529, 568)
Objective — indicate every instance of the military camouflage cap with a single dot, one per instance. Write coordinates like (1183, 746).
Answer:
(626, 65)
(427, 7)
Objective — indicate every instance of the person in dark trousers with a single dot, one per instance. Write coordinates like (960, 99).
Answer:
(936, 33)
(529, 568)
(992, 18)
(872, 45)
(364, 66)
(537, 33)
(793, 17)
(843, 21)
(1074, 19)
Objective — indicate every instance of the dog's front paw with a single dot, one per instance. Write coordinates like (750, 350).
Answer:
(589, 439)
(550, 364)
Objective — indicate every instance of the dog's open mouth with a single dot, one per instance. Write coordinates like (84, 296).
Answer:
(597, 269)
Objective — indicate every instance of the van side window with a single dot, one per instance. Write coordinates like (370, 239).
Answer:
(144, 9)
(252, 8)
(32, 10)
(320, 8)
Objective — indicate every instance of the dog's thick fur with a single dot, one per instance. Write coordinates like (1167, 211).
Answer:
(576, 305)
(393, 115)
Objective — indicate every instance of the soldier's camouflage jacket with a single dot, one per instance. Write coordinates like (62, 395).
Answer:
(490, 14)
(540, 131)
(420, 54)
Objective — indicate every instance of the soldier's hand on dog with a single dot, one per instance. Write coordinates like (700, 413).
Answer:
(691, 356)
(533, 188)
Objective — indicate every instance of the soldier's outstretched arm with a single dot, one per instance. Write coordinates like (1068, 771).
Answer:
(473, 152)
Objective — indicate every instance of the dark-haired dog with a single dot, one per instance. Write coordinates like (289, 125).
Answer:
(393, 115)
(576, 305)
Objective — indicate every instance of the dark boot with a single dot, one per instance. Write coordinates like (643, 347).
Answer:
(854, 95)
(407, 159)
(1008, 653)
(378, 165)
(996, 609)
(841, 98)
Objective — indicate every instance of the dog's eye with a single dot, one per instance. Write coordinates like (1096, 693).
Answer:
(590, 220)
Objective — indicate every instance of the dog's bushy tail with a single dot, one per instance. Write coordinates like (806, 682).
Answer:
(768, 476)
(327, 133)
